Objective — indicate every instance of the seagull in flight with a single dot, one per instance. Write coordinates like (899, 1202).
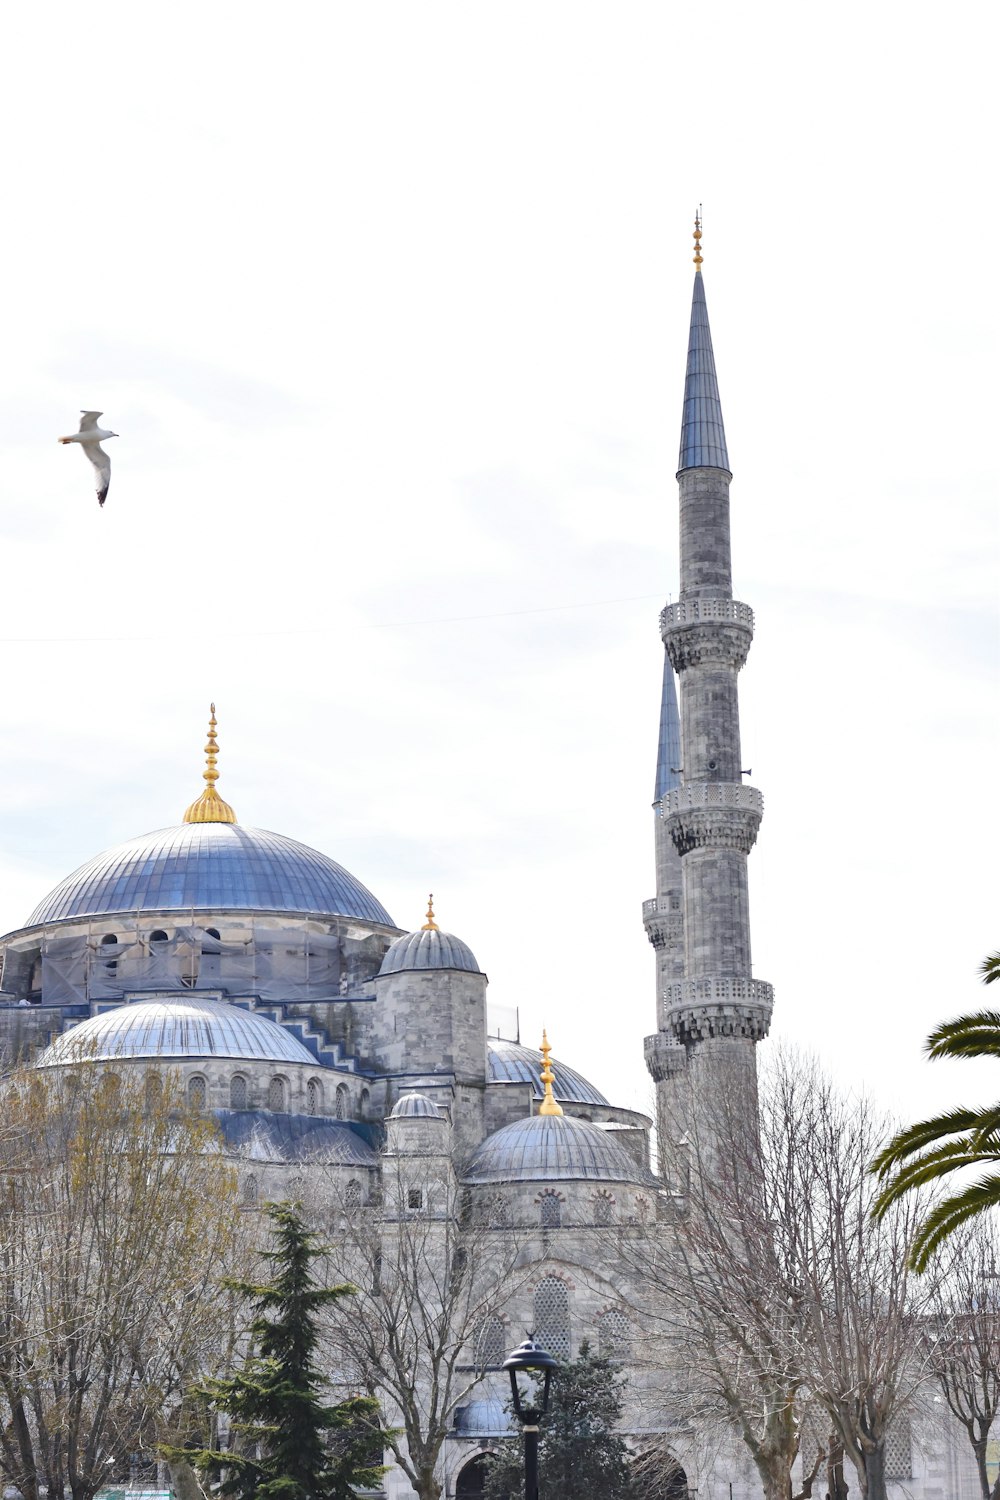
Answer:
(90, 436)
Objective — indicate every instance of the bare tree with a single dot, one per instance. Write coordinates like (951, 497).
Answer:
(794, 1318)
(965, 1354)
(430, 1279)
(117, 1216)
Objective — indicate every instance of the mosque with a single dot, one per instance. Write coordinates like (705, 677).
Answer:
(289, 1003)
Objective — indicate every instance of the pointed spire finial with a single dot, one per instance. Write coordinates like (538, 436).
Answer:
(548, 1105)
(697, 238)
(209, 807)
(430, 925)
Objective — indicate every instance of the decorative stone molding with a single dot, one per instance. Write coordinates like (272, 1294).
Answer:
(664, 927)
(665, 1056)
(713, 815)
(719, 1006)
(707, 631)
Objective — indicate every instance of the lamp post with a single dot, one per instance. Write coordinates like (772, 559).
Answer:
(530, 1361)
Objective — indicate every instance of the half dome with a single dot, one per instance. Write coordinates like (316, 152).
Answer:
(412, 1106)
(554, 1148)
(430, 948)
(509, 1062)
(176, 1030)
(210, 867)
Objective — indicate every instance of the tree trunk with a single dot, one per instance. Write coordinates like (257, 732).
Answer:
(837, 1486)
(184, 1481)
(874, 1487)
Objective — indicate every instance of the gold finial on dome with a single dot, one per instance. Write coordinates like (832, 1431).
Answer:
(697, 238)
(548, 1105)
(430, 925)
(209, 807)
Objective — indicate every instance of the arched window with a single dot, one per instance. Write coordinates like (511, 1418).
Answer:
(550, 1210)
(642, 1210)
(111, 1086)
(110, 940)
(490, 1345)
(197, 1092)
(612, 1335)
(343, 1101)
(249, 1191)
(604, 1208)
(158, 937)
(152, 1086)
(276, 1094)
(499, 1212)
(352, 1194)
(237, 1092)
(363, 1104)
(552, 1316)
(314, 1096)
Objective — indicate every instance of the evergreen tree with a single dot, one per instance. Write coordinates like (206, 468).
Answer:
(286, 1445)
(580, 1454)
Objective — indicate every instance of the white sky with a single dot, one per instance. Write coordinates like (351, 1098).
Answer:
(388, 303)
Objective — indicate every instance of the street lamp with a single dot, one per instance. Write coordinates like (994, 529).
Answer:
(531, 1361)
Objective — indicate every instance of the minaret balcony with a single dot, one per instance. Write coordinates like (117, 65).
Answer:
(665, 1056)
(707, 631)
(713, 815)
(717, 1005)
(664, 924)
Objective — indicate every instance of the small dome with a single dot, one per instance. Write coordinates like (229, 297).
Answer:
(509, 1062)
(210, 867)
(554, 1148)
(176, 1029)
(412, 1105)
(429, 949)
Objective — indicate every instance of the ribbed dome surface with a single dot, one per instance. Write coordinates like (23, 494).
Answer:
(413, 1105)
(509, 1062)
(429, 949)
(176, 1029)
(554, 1148)
(210, 867)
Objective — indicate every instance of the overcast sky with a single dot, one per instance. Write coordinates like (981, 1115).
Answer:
(389, 305)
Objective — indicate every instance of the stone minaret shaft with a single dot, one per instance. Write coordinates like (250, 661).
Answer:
(711, 1014)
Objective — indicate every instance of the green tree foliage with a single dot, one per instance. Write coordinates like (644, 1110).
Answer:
(580, 1453)
(933, 1149)
(285, 1443)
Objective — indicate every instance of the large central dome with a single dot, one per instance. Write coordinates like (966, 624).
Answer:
(210, 867)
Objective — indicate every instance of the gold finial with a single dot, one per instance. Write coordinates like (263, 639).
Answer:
(697, 238)
(548, 1105)
(209, 807)
(430, 925)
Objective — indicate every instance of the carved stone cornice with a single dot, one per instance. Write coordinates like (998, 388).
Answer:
(665, 1056)
(718, 1006)
(713, 815)
(707, 632)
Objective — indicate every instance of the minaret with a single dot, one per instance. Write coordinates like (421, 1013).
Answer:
(710, 1011)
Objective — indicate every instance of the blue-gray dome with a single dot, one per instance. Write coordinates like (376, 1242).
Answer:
(176, 1029)
(429, 949)
(210, 867)
(412, 1105)
(554, 1148)
(509, 1062)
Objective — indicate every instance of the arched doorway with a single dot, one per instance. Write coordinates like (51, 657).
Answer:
(472, 1479)
(661, 1476)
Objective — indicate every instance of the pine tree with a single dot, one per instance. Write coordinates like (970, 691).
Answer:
(580, 1454)
(286, 1445)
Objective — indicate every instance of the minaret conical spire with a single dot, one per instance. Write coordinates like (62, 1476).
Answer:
(668, 752)
(703, 436)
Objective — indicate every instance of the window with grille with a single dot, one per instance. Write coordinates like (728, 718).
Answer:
(238, 1092)
(352, 1194)
(552, 1316)
(899, 1450)
(249, 1190)
(604, 1206)
(414, 1198)
(197, 1092)
(490, 1351)
(612, 1335)
(342, 1101)
(153, 1086)
(314, 1097)
(551, 1211)
(500, 1216)
(276, 1094)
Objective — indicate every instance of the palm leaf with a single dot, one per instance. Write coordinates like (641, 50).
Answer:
(976, 1035)
(949, 1214)
(990, 968)
(916, 1137)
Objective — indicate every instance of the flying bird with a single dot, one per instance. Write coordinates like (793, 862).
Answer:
(90, 436)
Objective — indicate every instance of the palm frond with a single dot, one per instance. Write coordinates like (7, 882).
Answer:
(916, 1137)
(975, 1035)
(949, 1214)
(930, 1168)
(990, 968)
